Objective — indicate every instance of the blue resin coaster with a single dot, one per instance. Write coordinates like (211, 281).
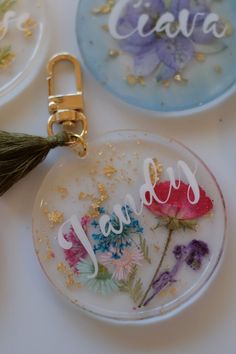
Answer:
(167, 56)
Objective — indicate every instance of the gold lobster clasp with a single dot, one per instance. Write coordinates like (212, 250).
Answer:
(67, 110)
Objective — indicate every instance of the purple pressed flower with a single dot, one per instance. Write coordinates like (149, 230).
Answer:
(164, 280)
(192, 255)
(197, 251)
(157, 51)
(178, 5)
(180, 252)
(175, 53)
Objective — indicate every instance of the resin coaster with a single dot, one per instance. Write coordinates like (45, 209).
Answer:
(134, 232)
(23, 44)
(168, 56)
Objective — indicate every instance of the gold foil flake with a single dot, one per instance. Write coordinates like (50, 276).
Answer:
(105, 28)
(61, 267)
(157, 172)
(62, 191)
(50, 255)
(55, 217)
(93, 171)
(83, 196)
(102, 191)
(229, 29)
(129, 180)
(167, 292)
(200, 57)
(6, 57)
(109, 145)
(218, 69)
(133, 80)
(98, 201)
(180, 79)
(109, 171)
(28, 27)
(165, 83)
(69, 275)
(44, 241)
(105, 8)
(113, 53)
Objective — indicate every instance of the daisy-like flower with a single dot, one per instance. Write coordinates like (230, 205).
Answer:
(103, 284)
(123, 265)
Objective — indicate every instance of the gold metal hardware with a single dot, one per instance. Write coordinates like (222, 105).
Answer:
(67, 110)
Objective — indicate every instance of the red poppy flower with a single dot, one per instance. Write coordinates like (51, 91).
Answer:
(178, 205)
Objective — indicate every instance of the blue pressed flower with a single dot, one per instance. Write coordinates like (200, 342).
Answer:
(117, 242)
(94, 223)
(101, 210)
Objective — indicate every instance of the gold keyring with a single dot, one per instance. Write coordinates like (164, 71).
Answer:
(75, 141)
(58, 118)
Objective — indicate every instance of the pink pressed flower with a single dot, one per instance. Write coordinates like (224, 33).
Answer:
(76, 252)
(124, 265)
(85, 220)
(178, 205)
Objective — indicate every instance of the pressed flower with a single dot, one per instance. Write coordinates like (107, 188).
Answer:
(117, 242)
(85, 221)
(178, 205)
(76, 252)
(123, 265)
(157, 52)
(176, 213)
(192, 254)
(103, 283)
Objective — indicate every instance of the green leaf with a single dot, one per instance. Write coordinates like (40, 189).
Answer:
(127, 285)
(189, 224)
(144, 249)
(132, 287)
(137, 292)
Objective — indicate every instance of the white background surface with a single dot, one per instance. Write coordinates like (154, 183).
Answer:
(34, 319)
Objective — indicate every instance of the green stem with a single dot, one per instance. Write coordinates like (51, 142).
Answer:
(158, 268)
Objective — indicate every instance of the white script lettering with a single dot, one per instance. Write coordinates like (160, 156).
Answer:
(147, 194)
(11, 17)
(165, 23)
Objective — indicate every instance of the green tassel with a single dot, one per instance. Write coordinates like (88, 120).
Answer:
(21, 153)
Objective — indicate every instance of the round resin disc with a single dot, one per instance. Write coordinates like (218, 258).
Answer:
(132, 233)
(168, 56)
(24, 38)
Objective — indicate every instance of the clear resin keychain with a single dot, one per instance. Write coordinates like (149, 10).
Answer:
(135, 231)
